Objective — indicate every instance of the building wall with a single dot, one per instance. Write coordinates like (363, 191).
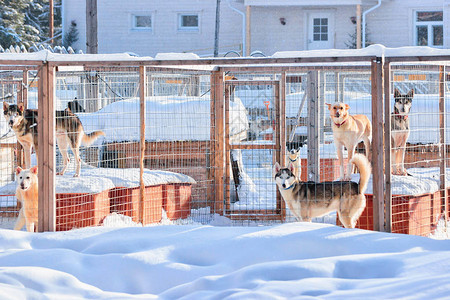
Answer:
(116, 35)
(269, 35)
(392, 24)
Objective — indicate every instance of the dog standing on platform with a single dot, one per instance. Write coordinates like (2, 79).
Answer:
(294, 158)
(308, 200)
(348, 131)
(400, 130)
(27, 194)
(69, 133)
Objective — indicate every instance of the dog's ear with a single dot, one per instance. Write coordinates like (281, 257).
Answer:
(5, 106)
(329, 105)
(276, 168)
(347, 107)
(410, 94)
(21, 106)
(18, 170)
(396, 93)
(34, 170)
(291, 166)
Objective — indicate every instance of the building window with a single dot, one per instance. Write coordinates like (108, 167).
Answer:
(429, 28)
(320, 29)
(142, 22)
(188, 22)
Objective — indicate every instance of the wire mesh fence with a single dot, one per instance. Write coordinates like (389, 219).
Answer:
(189, 144)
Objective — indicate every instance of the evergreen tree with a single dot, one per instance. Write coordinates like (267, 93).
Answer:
(25, 22)
(13, 29)
(38, 16)
(351, 44)
(71, 36)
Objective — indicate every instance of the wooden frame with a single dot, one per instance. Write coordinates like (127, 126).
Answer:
(380, 72)
(46, 158)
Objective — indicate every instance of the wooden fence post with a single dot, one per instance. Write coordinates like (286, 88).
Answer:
(313, 127)
(280, 98)
(217, 99)
(142, 108)
(387, 146)
(377, 144)
(46, 141)
(442, 146)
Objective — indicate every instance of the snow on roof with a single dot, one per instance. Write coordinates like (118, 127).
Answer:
(96, 180)
(167, 118)
(372, 50)
(176, 56)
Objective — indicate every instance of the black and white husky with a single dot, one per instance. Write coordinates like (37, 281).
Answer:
(310, 199)
(400, 130)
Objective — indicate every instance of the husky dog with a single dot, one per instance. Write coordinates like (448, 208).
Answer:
(294, 158)
(69, 132)
(400, 130)
(310, 199)
(27, 194)
(348, 131)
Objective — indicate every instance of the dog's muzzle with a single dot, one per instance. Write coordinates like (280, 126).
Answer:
(11, 123)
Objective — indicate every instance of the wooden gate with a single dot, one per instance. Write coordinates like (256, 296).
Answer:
(265, 148)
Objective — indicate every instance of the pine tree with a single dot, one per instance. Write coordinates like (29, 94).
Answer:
(25, 22)
(351, 44)
(71, 36)
(13, 29)
(38, 14)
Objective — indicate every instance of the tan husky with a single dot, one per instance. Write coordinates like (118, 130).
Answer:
(27, 194)
(348, 131)
(308, 200)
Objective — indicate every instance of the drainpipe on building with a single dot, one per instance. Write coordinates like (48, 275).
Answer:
(364, 22)
(244, 39)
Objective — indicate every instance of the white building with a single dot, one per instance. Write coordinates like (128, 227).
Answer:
(149, 27)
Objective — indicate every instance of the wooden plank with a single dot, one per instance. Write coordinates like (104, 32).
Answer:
(442, 138)
(142, 115)
(313, 127)
(254, 147)
(358, 26)
(91, 27)
(228, 90)
(248, 32)
(213, 61)
(387, 147)
(377, 144)
(218, 98)
(253, 82)
(25, 79)
(281, 86)
(46, 155)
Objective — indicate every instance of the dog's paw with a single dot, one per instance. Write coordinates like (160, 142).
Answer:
(76, 175)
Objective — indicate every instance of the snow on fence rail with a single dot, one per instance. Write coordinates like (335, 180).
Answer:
(220, 124)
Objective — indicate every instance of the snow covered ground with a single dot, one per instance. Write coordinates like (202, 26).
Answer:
(287, 261)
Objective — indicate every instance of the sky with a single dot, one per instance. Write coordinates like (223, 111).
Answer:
(123, 260)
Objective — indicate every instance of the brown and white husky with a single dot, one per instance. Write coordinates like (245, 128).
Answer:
(308, 200)
(69, 133)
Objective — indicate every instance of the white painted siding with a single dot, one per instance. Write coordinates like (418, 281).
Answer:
(115, 33)
(269, 36)
(392, 24)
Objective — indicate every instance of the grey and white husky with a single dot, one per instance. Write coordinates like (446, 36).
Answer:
(308, 200)
(400, 130)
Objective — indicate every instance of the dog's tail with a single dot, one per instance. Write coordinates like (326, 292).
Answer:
(362, 164)
(89, 138)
